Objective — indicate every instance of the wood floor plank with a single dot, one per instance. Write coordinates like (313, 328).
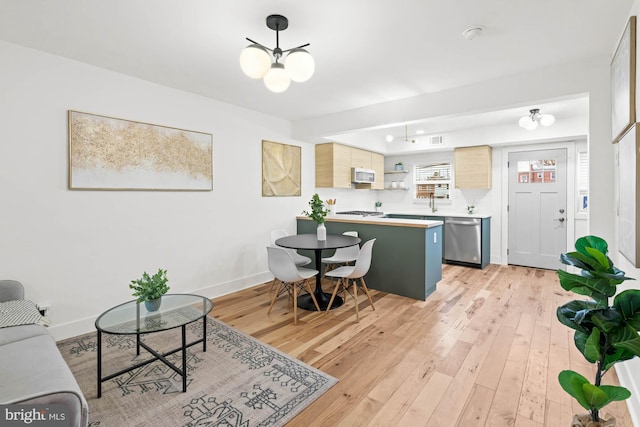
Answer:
(477, 407)
(483, 350)
(432, 394)
(491, 371)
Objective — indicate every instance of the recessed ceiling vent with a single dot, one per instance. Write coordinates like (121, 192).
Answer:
(436, 140)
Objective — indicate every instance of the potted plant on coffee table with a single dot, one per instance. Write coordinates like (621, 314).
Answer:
(149, 289)
(605, 334)
(318, 214)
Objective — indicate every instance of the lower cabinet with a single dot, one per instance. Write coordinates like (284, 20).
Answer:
(485, 236)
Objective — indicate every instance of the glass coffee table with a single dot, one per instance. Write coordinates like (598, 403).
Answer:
(132, 318)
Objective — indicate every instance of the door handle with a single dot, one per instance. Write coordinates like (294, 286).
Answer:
(561, 219)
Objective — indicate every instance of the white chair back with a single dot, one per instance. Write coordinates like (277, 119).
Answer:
(282, 266)
(363, 263)
(350, 252)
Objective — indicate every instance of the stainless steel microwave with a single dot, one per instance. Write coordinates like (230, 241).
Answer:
(362, 176)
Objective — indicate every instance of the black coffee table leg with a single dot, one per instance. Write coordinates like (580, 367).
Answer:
(99, 364)
(184, 358)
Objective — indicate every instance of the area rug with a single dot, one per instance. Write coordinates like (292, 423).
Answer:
(237, 382)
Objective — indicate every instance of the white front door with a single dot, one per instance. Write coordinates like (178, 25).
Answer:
(537, 208)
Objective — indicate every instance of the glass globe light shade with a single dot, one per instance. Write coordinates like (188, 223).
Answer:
(277, 79)
(255, 61)
(300, 65)
(547, 120)
(527, 123)
(389, 138)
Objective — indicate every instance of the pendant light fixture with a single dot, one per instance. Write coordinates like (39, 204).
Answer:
(256, 62)
(390, 137)
(531, 121)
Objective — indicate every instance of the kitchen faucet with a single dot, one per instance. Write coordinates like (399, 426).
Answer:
(432, 203)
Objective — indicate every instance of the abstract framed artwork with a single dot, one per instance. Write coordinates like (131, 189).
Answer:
(281, 169)
(628, 195)
(107, 153)
(623, 83)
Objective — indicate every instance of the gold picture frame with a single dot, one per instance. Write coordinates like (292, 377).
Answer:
(107, 153)
(281, 169)
(623, 83)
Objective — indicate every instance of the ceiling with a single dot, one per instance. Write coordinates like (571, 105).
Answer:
(366, 51)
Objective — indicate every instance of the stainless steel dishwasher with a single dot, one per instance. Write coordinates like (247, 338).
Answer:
(463, 240)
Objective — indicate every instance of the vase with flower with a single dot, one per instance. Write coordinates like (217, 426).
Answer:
(318, 213)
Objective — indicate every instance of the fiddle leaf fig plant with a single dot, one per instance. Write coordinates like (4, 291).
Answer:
(318, 212)
(148, 287)
(605, 334)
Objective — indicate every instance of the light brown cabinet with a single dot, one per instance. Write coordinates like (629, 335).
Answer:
(472, 167)
(377, 164)
(360, 158)
(333, 166)
(334, 162)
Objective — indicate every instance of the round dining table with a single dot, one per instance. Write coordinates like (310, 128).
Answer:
(311, 242)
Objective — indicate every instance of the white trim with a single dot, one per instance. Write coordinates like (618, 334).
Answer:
(625, 375)
(83, 326)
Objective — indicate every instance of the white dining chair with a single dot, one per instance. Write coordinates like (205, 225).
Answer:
(290, 278)
(298, 259)
(342, 256)
(353, 273)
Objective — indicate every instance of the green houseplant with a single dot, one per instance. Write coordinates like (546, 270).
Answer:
(399, 166)
(605, 334)
(149, 289)
(318, 213)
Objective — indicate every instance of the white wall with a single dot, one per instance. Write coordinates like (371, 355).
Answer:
(78, 250)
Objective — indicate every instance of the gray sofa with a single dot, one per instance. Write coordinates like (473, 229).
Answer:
(32, 369)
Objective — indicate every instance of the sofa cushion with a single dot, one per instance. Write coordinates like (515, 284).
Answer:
(20, 312)
(35, 372)
(18, 333)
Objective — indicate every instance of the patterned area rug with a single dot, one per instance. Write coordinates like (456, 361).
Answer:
(238, 381)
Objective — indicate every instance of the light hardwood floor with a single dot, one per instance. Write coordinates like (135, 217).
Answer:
(485, 349)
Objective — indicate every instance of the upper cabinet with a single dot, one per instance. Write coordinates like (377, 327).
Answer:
(360, 158)
(473, 167)
(334, 163)
(377, 164)
(333, 166)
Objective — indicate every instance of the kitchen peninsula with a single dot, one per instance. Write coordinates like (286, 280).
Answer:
(407, 255)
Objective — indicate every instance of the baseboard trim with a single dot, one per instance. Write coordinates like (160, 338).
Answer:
(83, 326)
(625, 371)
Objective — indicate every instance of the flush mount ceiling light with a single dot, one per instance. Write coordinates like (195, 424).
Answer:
(531, 121)
(256, 62)
(473, 32)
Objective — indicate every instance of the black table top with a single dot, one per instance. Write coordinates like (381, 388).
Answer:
(310, 241)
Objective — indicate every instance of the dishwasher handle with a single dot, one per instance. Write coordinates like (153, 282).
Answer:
(462, 221)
